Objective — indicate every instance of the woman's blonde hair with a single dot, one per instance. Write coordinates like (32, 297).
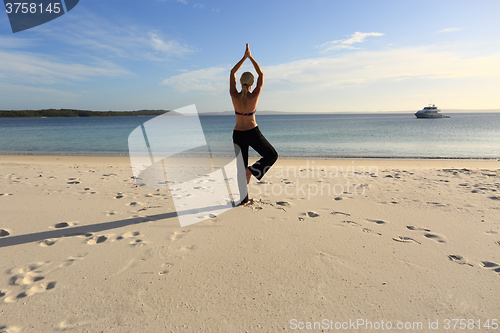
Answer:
(246, 81)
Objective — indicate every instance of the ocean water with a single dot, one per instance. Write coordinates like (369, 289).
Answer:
(464, 135)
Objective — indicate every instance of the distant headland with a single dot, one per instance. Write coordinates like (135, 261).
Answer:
(76, 113)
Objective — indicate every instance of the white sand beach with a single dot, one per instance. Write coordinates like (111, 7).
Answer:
(326, 244)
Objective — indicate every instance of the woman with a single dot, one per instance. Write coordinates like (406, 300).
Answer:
(246, 132)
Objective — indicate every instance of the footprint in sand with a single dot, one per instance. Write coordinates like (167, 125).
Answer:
(119, 195)
(179, 234)
(27, 278)
(436, 237)
(355, 224)
(459, 259)
(87, 190)
(79, 234)
(73, 181)
(71, 323)
(371, 232)
(350, 223)
(132, 234)
(20, 279)
(40, 288)
(71, 260)
(149, 207)
(97, 240)
(404, 239)
(128, 235)
(491, 265)
(410, 227)
(206, 217)
(137, 242)
(437, 204)
(427, 234)
(164, 266)
(61, 225)
(48, 242)
(308, 214)
(282, 203)
(312, 214)
(35, 267)
(109, 175)
(187, 248)
(4, 233)
(377, 221)
(12, 299)
(9, 329)
(340, 213)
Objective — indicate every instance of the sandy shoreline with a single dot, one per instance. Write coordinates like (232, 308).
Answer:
(412, 241)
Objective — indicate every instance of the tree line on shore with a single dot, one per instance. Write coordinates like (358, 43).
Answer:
(75, 113)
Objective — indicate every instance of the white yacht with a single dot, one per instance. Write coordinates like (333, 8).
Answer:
(430, 111)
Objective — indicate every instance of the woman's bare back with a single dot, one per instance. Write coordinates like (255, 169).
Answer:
(244, 123)
(248, 107)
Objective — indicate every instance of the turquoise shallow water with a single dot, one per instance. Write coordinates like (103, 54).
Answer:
(471, 135)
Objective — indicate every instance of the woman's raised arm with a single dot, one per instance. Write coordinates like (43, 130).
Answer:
(232, 76)
(260, 79)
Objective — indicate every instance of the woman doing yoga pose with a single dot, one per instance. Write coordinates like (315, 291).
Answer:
(246, 132)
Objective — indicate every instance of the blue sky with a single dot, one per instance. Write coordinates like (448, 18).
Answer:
(317, 55)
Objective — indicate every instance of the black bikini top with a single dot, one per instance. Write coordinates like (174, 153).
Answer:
(245, 114)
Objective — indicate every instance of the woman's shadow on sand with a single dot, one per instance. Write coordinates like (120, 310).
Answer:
(92, 228)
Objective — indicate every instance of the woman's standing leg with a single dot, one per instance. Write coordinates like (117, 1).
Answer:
(269, 155)
(241, 145)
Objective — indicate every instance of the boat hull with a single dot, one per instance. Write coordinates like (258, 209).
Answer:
(428, 116)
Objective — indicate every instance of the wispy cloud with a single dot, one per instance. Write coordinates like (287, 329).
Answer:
(19, 92)
(357, 37)
(14, 42)
(212, 79)
(90, 32)
(357, 69)
(170, 47)
(449, 30)
(33, 69)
